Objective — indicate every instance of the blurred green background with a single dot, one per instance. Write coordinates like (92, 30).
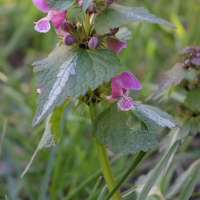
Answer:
(70, 170)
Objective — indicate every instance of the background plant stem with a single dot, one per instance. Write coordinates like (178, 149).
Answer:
(103, 158)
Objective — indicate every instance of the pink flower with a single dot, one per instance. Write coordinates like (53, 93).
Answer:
(43, 25)
(115, 45)
(42, 5)
(121, 85)
(39, 90)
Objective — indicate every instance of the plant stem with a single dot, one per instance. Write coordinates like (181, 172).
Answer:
(130, 169)
(87, 24)
(103, 158)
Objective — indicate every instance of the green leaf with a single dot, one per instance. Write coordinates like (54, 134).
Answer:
(181, 182)
(173, 77)
(95, 188)
(55, 121)
(69, 72)
(156, 172)
(123, 35)
(191, 184)
(86, 3)
(154, 117)
(193, 99)
(115, 15)
(185, 128)
(103, 191)
(195, 126)
(46, 141)
(61, 5)
(190, 127)
(6, 198)
(128, 192)
(110, 128)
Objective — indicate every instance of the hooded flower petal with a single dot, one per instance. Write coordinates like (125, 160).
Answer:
(125, 104)
(115, 45)
(117, 90)
(128, 81)
(121, 85)
(57, 18)
(43, 26)
(42, 5)
(39, 90)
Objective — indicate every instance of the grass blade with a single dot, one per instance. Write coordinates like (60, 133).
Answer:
(3, 135)
(156, 172)
(95, 188)
(6, 198)
(191, 184)
(100, 197)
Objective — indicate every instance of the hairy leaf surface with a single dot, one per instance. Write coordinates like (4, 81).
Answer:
(190, 127)
(115, 15)
(110, 128)
(123, 35)
(173, 77)
(193, 99)
(61, 5)
(46, 141)
(69, 73)
(153, 116)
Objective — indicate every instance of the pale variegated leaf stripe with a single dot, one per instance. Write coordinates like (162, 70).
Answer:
(46, 141)
(110, 128)
(86, 3)
(173, 77)
(61, 5)
(69, 73)
(123, 35)
(115, 15)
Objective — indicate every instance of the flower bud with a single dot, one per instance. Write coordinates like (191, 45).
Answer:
(69, 40)
(80, 4)
(187, 62)
(94, 43)
(67, 26)
(92, 7)
(108, 2)
(113, 31)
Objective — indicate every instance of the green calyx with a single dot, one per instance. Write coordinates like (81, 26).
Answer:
(83, 32)
(96, 96)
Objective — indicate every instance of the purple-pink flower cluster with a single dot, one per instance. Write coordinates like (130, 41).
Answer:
(121, 85)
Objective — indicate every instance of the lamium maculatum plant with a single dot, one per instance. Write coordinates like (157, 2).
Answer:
(84, 65)
(185, 74)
